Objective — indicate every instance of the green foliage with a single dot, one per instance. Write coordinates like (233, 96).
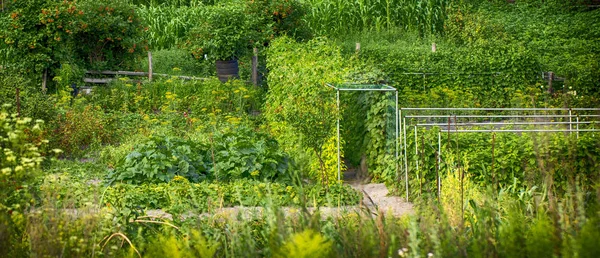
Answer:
(22, 144)
(178, 62)
(168, 25)
(231, 153)
(225, 33)
(484, 75)
(284, 17)
(180, 196)
(340, 17)
(380, 145)
(32, 102)
(241, 152)
(80, 129)
(160, 159)
(516, 160)
(176, 3)
(559, 37)
(196, 98)
(306, 244)
(39, 34)
(300, 108)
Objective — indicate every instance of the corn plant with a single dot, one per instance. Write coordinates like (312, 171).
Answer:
(338, 17)
(168, 25)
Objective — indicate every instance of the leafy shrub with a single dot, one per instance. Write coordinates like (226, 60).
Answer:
(33, 103)
(41, 33)
(21, 157)
(22, 146)
(233, 153)
(301, 109)
(160, 159)
(223, 34)
(485, 75)
(285, 17)
(80, 129)
(241, 152)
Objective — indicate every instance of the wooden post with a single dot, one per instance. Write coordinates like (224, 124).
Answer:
(18, 100)
(149, 66)
(255, 67)
(550, 79)
(433, 47)
(44, 80)
(357, 46)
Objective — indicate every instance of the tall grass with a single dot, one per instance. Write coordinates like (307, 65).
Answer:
(176, 3)
(516, 222)
(168, 25)
(338, 17)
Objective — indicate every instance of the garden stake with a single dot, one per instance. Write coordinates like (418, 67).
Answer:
(461, 174)
(417, 157)
(494, 179)
(18, 99)
(423, 161)
(438, 160)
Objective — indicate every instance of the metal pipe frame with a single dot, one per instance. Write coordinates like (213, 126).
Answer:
(339, 168)
(525, 131)
(513, 123)
(502, 109)
(569, 130)
(386, 88)
(497, 116)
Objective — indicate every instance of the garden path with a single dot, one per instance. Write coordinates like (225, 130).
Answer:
(376, 196)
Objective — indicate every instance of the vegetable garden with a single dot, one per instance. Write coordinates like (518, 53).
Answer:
(481, 115)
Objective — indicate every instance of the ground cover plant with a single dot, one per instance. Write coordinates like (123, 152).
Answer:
(182, 166)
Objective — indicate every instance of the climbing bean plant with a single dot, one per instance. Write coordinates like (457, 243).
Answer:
(300, 109)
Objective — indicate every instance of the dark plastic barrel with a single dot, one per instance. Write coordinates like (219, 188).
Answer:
(227, 70)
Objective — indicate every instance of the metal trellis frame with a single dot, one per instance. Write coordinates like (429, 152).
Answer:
(364, 88)
(571, 121)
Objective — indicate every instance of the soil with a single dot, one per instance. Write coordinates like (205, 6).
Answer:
(376, 196)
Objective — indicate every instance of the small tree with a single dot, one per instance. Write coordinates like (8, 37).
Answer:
(40, 34)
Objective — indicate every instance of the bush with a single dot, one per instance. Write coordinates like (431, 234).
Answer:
(81, 128)
(33, 103)
(301, 109)
(97, 34)
(224, 34)
(22, 146)
(160, 159)
(236, 152)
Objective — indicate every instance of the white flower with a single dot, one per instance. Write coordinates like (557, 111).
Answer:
(429, 255)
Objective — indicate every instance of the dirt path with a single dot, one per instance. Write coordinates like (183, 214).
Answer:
(376, 196)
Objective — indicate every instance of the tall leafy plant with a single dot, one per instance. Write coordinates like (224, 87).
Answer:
(39, 34)
(300, 108)
(224, 33)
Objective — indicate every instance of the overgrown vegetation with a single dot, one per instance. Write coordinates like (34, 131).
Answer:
(190, 166)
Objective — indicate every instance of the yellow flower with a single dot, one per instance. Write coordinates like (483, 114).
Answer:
(6, 171)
